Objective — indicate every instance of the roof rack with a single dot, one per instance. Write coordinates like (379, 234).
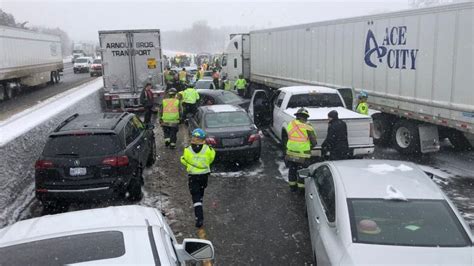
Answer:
(124, 114)
(69, 119)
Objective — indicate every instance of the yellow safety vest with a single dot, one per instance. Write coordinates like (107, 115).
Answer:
(227, 85)
(190, 96)
(363, 108)
(298, 143)
(240, 84)
(198, 163)
(170, 111)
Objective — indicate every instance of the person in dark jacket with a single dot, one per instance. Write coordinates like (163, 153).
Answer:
(336, 146)
(146, 98)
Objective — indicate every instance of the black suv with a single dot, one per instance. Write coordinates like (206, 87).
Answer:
(94, 156)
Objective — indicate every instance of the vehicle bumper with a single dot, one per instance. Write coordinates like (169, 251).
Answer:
(80, 69)
(354, 151)
(235, 153)
(71, 193)
(96, 71)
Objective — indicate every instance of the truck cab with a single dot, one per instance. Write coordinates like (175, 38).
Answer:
(275, 110)
(236, 57)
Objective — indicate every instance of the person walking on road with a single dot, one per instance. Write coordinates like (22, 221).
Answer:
(215, 78)
(197, 158)
(170, 111)
(336, 143)
(362, 106)
(301, 139)
(198, 74)
(190, 98)
(240, 85)
(146, 98)
(168, 78)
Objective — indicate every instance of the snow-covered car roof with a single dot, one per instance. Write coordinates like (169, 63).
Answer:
(218, 108)
(373, 178)
(306, 89)
(79, 222)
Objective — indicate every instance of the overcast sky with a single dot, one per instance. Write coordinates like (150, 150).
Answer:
(82, 19)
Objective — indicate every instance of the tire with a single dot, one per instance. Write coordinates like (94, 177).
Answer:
(75, 71)
(459, 141)
(382, 129)
(152, 155)
(405, 137)
(8, 92)
(52, 79)
(92, 74)
(134, 188)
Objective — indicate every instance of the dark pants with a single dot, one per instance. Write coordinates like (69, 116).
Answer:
(293, 178)
(170, 134)
(241, 92)
(148, 113)
(197, 184)
(216, 83)
(189, 109)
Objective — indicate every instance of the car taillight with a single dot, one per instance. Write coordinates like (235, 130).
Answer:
(116, 161)
(43, 164)
(211, 141)
(253, 138)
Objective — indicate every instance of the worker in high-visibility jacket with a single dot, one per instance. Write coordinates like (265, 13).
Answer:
(168, 78)
(240, 85)
(190, 98)
(197, 158)
(301, 139)
(362, 106)
(226, 83)
(183, 76)
(199, 74)
(170, 111)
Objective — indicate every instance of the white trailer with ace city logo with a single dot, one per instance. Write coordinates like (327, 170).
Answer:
(416, 66)
(130, 60)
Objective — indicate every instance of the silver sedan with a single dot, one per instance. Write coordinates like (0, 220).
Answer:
(381, 212)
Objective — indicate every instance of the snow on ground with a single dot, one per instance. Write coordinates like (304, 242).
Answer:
(257, 170)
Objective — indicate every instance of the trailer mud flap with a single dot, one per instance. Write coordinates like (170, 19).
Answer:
(429, 139)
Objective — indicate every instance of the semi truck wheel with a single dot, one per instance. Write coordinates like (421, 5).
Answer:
(459, 141)
(8, 92)
(382, 129)
(405, 137)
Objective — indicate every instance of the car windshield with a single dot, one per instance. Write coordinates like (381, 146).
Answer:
(81, 60)
(97, 61)
(81, 145)
(201, 84)
(228, 97)
(315, 100)
(429, 223)
(66, 249)
(227, 119)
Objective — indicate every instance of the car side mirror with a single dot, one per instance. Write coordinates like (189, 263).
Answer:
(195, 250)
(304, 173)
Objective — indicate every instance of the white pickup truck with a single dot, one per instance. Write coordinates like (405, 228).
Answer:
(277, 111)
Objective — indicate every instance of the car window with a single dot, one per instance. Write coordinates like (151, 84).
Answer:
(226, 119)
(81, 145)
(81, 60)
(138, 123)
(131, 133)
(97, 61)
(197, 117)
(66, 249)
(315, 100)
(408, 223)
(326, 191)
(201, 84)
(279, 99)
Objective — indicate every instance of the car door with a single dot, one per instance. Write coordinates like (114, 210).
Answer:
(260, 109)
(277, 112)
(329, 248)
(195, 121)
(347, 96)
(145, 134)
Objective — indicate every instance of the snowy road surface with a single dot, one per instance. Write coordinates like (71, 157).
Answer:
(32, 96)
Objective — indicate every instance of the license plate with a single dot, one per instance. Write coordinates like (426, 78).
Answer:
(77, 171)
(233, 142)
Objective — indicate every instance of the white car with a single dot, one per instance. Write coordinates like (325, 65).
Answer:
(132, 235)
(381, 212)
(82, 64)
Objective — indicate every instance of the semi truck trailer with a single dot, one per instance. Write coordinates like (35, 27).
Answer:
(130, 60)
(27, 59)
(416, 66)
